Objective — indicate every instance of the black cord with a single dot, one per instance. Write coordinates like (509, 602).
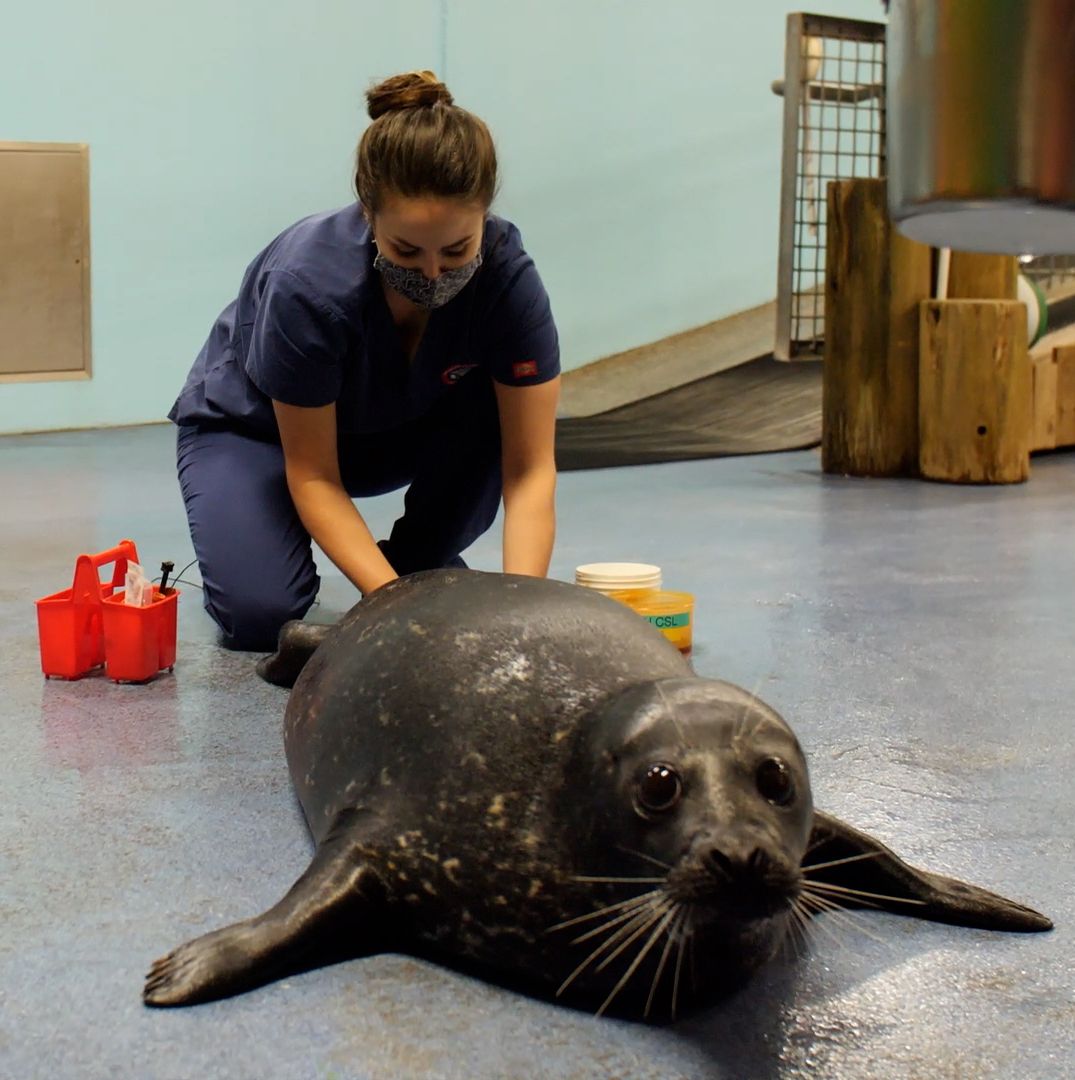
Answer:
(179, 579)
(185, 569)
(181, 573)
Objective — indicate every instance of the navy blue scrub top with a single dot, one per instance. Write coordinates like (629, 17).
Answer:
(311, 326)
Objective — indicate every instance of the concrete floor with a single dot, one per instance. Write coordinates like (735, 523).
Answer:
(920, 638)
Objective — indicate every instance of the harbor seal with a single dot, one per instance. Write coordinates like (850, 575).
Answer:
(522, 778)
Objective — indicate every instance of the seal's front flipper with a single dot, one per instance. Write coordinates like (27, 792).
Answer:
(335, 911)
(853, 869)
(294, 647)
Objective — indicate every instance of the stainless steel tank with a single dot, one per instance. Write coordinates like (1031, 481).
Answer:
(981, 123)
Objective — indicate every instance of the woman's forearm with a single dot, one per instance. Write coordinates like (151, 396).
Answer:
(334, 522)
(529, 522)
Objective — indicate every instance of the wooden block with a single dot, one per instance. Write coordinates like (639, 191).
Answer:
(875, 279)
(972, 276)
(1065, 395)
(974, 392)
(1044, 370)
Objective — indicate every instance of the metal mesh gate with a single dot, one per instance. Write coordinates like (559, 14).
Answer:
(834, 116)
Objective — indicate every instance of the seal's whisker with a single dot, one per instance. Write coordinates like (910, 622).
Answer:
(805, 927)
(813, 908)
(694, 969)
(815, 902)
(843, 920)
(806, 923)
(643, 855)
(639, 901)
(754, 693)
(798, 926)
(835, 906)
(788, 949)
(747, 705)
(643, 919)
(626, 978)
(616, 920)
(839, 900)
(620, 880)
(688, 933)
(597, 952)
(842, 916)
(846, 890)
(672, 716)
(680, 914)
(656, 913)
(802, 911)
(839, 862)
(789, 943)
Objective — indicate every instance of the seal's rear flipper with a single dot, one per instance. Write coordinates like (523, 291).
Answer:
(335, 911)
(295, 646)
(842, 858)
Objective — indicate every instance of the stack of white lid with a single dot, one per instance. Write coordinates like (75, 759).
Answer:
(613, 576)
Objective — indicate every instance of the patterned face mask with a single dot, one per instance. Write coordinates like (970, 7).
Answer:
(419, 289)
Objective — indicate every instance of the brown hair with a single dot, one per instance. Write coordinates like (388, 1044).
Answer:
(421, 143)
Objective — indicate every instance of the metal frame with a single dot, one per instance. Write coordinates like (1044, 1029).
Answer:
(847, 116)
(82, 151)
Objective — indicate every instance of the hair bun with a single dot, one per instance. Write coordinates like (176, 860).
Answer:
(413, 90)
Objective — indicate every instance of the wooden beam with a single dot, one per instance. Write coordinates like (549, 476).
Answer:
(1065, 395)
(875, 280)
(974, 392)
(972, 276)
(1044, 370)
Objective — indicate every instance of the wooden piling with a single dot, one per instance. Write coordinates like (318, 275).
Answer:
(875, 279)
(973, 276)
(1044, 408)
(974, 412)
(1064, 356)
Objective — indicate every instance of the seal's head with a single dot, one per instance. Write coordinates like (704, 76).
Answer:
(703, 791)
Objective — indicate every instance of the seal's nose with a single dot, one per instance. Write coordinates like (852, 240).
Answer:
(744, 877)
(751, 863)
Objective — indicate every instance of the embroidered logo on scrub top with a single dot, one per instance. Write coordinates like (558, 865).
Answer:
(453, 374)
(524, 369)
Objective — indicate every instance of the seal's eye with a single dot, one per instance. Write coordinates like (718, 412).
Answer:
(659, 789)
(775, 781)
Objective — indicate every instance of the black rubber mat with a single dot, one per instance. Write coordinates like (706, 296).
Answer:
(758, 407)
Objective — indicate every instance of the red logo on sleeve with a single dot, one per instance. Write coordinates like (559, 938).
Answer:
(524, 369)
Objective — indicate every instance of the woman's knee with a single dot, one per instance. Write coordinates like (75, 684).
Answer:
(251, 621)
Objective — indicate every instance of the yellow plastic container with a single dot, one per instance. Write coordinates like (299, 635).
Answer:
(671, 612)
(638, 585)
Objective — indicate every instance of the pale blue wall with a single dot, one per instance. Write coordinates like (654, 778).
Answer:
(640, 146)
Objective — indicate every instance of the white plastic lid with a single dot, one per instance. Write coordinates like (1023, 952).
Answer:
(611, 576)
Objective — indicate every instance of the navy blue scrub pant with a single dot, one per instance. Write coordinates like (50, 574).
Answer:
(255, 554)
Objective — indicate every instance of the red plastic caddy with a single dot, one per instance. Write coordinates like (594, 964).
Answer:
(89, 624)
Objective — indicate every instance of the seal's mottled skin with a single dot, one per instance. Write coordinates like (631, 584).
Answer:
(523, 777)
(472, 685)
(461, 785)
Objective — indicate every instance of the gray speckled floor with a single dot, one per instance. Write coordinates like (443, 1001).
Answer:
(921, 640)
